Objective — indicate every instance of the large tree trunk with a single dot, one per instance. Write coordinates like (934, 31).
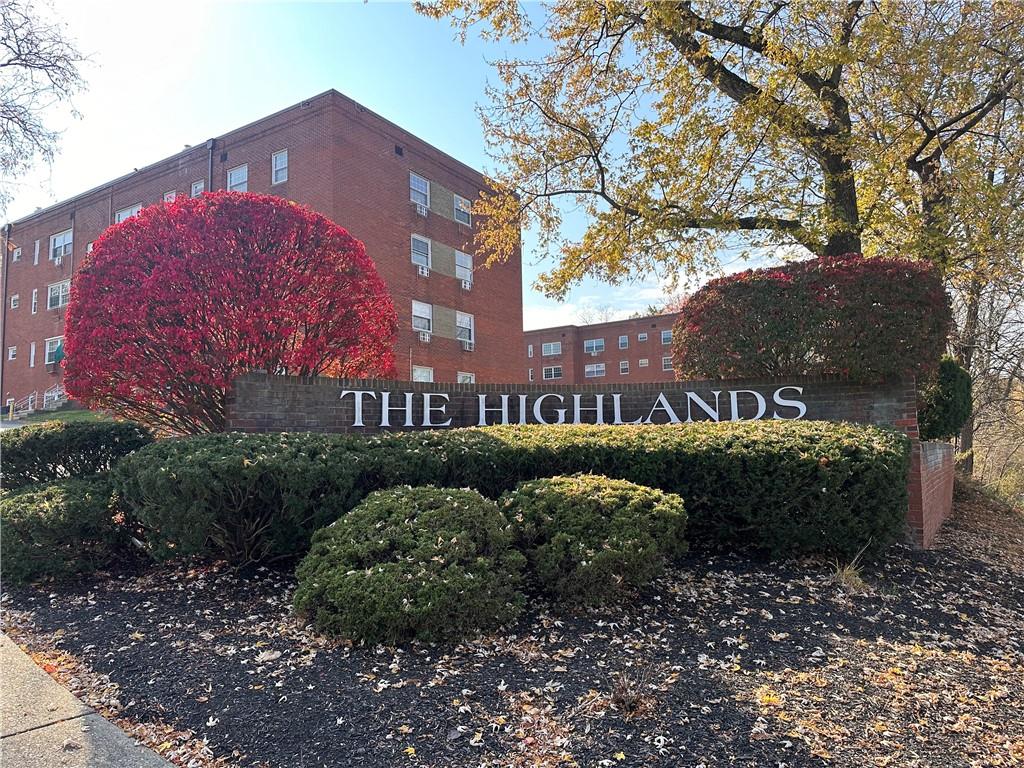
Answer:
(840, 191)
(966, 344)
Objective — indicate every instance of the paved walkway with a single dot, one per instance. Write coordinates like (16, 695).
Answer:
(43, 726)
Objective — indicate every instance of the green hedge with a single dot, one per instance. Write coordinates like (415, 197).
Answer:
(412, 564)
(589, 539)
(945, 402)
(789, 488)
(52, 450)
(60, 530)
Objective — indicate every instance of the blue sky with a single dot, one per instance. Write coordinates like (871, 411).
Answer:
(165, 74)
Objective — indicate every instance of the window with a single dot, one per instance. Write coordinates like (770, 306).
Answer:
(623, 367)
(52, 347)
(15, 301)
(88, 247)
(35, 300)
(666, 337)
(593, 346)
(32, 355)
(552, 372)
(169, 197)
(57, 295)
(530, 372)
(422, 317)
(198, 187)
(642, 362)
(462, 377)
(127, 213)
(594, 370)
(35, 258)
(463, 266)
(422, 373)
(16, 256)
(60, 245)
(666, 363)
(464, 327)
(551, 348)
(419, 190)
(529, 350)
(279, 167)
(641, 337)
(463, 211)
(12, 353)
(623, 342)
(238, 179)
(420, 251)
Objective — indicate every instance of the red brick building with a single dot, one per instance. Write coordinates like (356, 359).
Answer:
(638, 350)
(406, 200)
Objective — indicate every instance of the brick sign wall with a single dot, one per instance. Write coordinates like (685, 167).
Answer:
(261, 403)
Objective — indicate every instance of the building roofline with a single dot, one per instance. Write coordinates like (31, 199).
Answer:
(331, 92)
(602, 323)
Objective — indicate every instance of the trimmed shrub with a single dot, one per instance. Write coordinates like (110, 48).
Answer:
(59, 531)
(865, 319)
(412, 564)
(246, 498)
(788, 488)
(588, 538)
(944, 404)
(52, 450)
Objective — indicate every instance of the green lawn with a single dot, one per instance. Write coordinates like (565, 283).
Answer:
(64, 415)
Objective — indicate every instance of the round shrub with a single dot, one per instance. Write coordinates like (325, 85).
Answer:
(60, 530)
(52, 450)
(944, 404)
(412, 564)
(589, 538)
(246, 498)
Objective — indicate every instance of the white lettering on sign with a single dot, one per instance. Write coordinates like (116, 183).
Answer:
(433, 410)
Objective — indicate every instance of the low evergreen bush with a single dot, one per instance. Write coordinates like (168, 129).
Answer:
(412, 564)
(588, 538)
(60, 530)
(944, 403)
(52, 450)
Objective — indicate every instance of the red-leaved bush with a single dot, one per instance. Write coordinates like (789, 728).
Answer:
(865, 319)
(173, 304)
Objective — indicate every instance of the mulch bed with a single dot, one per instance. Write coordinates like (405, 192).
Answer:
(725, 661)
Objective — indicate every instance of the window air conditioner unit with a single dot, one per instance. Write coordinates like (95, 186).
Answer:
(467, 285)
(425, 337)
(467, 346)
(58, 260)
(595, 353)
(421, 209)
(423, 271)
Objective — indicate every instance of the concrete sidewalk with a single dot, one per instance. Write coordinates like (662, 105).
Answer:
(43, 725)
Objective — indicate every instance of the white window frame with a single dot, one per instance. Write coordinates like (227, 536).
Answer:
(62, 241)
(464, 206)
(623, 367)
(550, 348)
(529, 350)
(461, 318)
(35, 300)
(276, 168)
(35, 257)
(16, 256)
(465, 377)
(593, 345)
(641, 337)
(624, 341)
(668, 340)
(642, 362)
(530, 373)
(49, 351)
(32, 354)
(594, 370)
(197, 188)
(413, 191)
(126, 213)
(551, 369)
(170, 196)
(423, 311)
(464, 271)
(413, 254)
(88, 246)
(15, 300)
(423, 373)
(63, 294)
(666, 363)
(12, 352)
(244, 184)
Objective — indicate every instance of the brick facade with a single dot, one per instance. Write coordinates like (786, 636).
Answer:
(344, 161)
(261, 403)
(643, 352)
